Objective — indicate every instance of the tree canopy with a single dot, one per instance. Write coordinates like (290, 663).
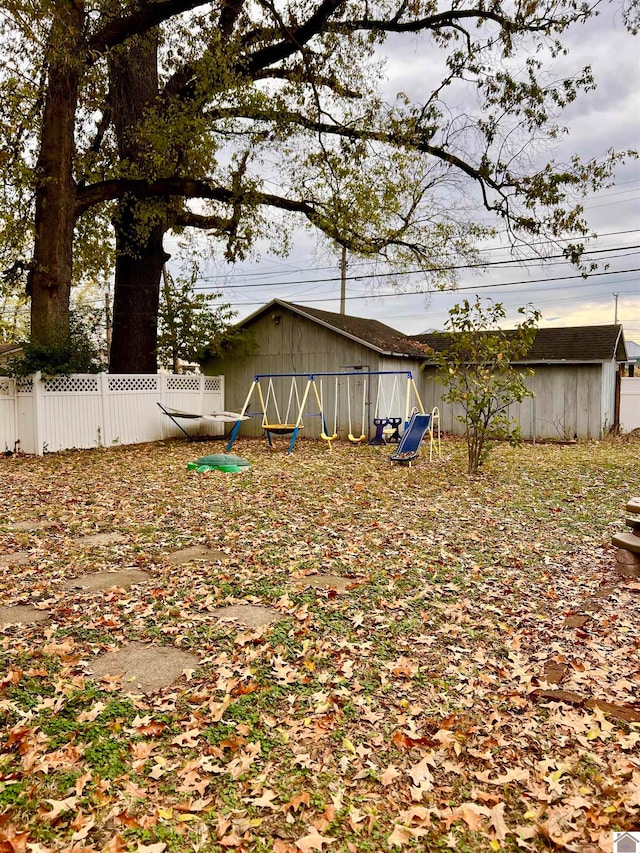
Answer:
(246, 119)
(190, 323)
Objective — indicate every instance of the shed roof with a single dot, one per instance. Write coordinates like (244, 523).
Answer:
(5, 349)
(569, 344)
(370, 333)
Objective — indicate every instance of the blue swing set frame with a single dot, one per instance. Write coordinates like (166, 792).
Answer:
(294, 428)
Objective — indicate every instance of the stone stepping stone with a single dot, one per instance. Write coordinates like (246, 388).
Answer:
(96, 581)
(248, 615)
(31, 524)
(143, 669)
(326, 582)
(578, 620)
(628, 713)
(554, 672)
(22, 614)
(100, 539)
(18, 558)
(195, 552)
(604, 592)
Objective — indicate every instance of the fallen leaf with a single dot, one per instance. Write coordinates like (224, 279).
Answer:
(313, 841)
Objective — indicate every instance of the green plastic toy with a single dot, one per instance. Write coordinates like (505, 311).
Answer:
(219, 462)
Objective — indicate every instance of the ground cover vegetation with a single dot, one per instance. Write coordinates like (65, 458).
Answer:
(472, 690)
(121, 122)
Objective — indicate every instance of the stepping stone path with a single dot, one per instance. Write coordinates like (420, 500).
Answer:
(248, 615)
(143, 669)
(107, 580)
(595, 602)
(31, 524)
(326, 582)
(18, 558)
(554, 672)
(195, 552)
(576, 620)
(22, 614)
(100, 539)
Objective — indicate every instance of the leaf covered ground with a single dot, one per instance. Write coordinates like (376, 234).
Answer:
(476, 687)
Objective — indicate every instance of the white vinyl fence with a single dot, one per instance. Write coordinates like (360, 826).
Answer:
(102, 410)
(629, 403)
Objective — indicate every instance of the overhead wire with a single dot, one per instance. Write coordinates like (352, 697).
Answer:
(435, 269)
(262, 274)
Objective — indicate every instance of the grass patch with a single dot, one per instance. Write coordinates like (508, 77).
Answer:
(401, 714)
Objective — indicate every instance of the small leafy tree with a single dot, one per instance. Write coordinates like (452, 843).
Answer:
(476, 364)
(189, 323)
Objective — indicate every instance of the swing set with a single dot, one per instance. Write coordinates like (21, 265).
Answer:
(274, 423)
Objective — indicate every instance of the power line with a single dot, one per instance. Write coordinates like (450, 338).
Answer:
(283, 272)
(493, 286)
(423, 270)
(464, 288)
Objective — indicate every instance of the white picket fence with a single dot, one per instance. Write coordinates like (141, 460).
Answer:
(102, 410)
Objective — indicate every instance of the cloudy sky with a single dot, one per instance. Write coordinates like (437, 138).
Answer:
(601, 120)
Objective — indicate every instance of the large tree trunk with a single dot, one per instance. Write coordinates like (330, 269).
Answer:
(55, 214)
(139, 262)
(139, 226)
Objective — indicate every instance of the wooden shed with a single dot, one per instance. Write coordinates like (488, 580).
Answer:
(575, 381)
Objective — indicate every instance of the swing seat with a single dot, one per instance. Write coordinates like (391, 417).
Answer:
(355, 439)
(326, 437)
(280, 429)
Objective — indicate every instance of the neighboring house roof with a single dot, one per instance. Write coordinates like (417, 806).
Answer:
(9, 350)
(572, 344)
(370, 333)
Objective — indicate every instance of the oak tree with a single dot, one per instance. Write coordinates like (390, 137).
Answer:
(246, 119)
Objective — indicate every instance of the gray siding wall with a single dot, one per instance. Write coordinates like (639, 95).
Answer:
(569, 400)
(288, 343)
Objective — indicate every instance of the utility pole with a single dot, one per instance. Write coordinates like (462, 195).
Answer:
(107, 317)
(615, 318)
(343, 279)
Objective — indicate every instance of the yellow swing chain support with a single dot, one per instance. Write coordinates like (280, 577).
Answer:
(249, 396)
(434, 423)
(303, 403)
(323, 434)
(434, 435)
(234, 431)
(353, 438)
(412, 385)
(263, 405)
